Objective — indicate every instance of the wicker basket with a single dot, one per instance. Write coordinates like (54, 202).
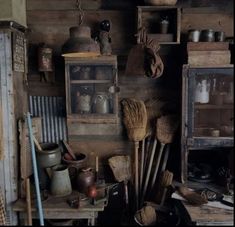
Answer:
(161, 2)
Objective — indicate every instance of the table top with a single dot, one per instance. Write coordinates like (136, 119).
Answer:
(205, 214)
(59, 204)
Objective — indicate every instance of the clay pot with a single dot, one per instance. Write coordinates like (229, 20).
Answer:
(49, 156)
(85, 178)
(74, 166)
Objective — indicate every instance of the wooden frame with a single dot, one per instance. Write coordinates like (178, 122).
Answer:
(188, 140)
(91, 117)
(146, 13)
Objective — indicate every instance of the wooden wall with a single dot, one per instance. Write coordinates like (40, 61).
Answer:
(49, 22)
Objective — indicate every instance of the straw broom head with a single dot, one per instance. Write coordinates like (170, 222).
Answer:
(135, 119)
(166, 128)
(191, 196)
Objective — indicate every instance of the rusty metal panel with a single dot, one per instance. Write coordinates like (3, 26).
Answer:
(53, 113)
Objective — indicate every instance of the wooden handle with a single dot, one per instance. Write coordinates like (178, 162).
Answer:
(69, 150)
(37, 143)
(126, 192)
(28, 201)
(137, 174)
(157, 166)
(149, 170)
(142, 163)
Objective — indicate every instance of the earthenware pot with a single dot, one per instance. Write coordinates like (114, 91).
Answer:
(85, 178)
(49, 156)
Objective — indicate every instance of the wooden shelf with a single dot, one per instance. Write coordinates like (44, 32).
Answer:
(90, 81)
(213, 106)
(150, 16)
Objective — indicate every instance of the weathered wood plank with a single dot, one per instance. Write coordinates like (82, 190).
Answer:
(209, 57)
(204, 46)
(217, 22)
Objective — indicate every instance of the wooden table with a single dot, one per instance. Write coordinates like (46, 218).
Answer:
(206, 215)
(58, 208)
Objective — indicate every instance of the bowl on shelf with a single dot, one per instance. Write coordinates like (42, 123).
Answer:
(227, 130)
(206, 132)
(161, 2)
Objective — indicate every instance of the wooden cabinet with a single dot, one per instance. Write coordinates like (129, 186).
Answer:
(207, 110)
(91, 89)
(150, 18)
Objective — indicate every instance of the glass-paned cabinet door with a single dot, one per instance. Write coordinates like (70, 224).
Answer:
(91, 89)
(210, 102)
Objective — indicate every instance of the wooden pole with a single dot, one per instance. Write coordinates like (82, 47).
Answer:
(28, 201)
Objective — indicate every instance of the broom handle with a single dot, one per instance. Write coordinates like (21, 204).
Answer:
(149, 170)
(147, 152)
(165, 158)
(142, 163)
(136, 174)
(157, 166)
(28, 200)
(126, 192)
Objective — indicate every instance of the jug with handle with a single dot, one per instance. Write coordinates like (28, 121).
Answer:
(202, 92)
(60, 181)
(101, 103)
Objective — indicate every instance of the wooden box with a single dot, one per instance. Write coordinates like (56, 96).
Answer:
(149, 18)
(209, 58)
(13, 10)
(205, 46)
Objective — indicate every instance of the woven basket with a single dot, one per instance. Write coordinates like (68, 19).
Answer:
(161, 2)
(146, 216)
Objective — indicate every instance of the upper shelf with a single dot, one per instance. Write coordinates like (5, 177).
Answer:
(149, 17)
(211, 106)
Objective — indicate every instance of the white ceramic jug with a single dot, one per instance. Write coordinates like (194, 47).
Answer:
(202, 93)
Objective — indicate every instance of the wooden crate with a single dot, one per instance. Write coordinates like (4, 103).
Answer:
(149, 17)
(205, 58)
(207, 46)
(13, 10)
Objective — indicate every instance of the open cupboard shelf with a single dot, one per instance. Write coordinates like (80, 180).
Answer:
(149, 18)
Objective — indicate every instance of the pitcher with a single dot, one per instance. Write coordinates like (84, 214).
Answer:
(101, 103)
(202, 93)
(60, 181)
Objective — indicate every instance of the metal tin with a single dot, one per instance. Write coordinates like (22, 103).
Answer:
(207, 35)
(45, 59)
(164, 25)
(194, 35)
(219, 36)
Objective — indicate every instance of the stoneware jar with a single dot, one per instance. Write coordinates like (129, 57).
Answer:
(85, 178)
(49, 156)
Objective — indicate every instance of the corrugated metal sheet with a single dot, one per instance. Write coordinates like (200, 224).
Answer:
(53, 113)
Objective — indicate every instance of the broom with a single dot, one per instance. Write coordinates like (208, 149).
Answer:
(165, 181)
(154, 110)
(192, 197)
(166, 128)
(135, 121)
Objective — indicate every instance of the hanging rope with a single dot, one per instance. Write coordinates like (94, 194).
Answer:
(80, 12)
